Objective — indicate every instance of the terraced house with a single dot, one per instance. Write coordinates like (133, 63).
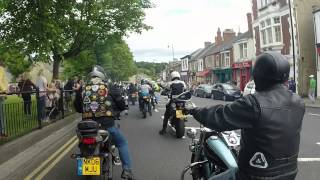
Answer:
(286, 26)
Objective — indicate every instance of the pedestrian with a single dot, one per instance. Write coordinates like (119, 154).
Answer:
(42, 86)
(26, 87)
(68, 88)
(78, 90)
(292, 85)
(3, 90)
(312, 88)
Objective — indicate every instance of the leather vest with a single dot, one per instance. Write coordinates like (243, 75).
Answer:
(96, 101)
(271, 148)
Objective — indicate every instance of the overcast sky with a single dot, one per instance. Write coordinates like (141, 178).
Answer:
(186, 24)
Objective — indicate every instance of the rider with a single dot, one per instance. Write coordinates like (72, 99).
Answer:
(144, 90)
(176, 87)
(107, 103)
(270, 120)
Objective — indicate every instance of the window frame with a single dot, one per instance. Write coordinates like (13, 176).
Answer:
(270, 30)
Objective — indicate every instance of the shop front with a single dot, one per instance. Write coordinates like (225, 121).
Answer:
(184, 76)
(202, 76)
(241, 73)
(223, 75)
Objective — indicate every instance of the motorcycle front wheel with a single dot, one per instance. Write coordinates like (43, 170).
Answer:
(197, 172)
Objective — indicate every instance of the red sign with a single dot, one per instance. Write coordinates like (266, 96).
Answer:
(242, 64)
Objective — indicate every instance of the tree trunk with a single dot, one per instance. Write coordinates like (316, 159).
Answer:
(56, 65)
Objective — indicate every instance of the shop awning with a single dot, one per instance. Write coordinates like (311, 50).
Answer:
(203, 73)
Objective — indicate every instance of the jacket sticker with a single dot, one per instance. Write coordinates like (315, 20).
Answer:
(258, 160)
(86, 100)
(95, 88)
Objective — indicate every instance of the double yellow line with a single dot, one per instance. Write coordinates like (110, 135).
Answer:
(47, 165)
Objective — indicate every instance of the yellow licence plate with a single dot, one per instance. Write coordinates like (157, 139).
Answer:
(89, 166)
(179, 114)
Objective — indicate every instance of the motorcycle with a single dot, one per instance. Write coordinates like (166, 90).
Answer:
(213, 154)
(146, 105)
(178, 117)
(97, 155)
(133, 98)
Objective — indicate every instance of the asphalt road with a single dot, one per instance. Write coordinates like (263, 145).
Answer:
(158, 157)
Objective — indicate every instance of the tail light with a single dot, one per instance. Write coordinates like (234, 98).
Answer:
(89, 141)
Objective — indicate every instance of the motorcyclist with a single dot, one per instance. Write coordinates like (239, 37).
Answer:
(270, 120)
(144, 90)
(176, 87)
(132, 89)
(103, 104)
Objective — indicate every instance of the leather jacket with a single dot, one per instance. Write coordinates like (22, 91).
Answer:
(271, 123)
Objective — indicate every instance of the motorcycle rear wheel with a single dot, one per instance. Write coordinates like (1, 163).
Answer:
(180, 128)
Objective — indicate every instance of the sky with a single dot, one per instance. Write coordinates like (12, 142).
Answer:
(185, 25)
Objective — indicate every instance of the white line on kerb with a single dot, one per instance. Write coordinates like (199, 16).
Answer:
(314, 114)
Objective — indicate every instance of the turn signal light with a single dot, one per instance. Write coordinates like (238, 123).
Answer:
(89, 141)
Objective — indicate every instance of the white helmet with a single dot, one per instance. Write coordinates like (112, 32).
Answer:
(175, 74)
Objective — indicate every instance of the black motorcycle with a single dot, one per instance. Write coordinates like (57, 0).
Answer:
(97, 155)
(213, 154)
(178, 117)
(145, 106)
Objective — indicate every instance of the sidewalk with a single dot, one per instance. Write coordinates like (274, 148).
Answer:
(310, 104)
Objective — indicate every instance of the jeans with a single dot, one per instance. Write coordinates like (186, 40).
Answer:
(2, 116)
(312, 95)
(122, 145)
(27, 103)
(42, 107)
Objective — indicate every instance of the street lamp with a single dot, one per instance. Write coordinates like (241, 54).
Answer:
(172, 48)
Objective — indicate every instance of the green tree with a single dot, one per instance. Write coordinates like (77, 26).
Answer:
(61, 30)
(16, 62)
(117, 59)
(151, 69)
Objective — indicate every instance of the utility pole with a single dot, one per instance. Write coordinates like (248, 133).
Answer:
(293, 42)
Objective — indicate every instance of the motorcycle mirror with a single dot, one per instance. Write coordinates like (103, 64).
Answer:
(184, 96)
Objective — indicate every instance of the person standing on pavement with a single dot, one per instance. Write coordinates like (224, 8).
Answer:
(42, 85)
(3, 90)
(292, 85)
(270, 121)
(26, 87)
(312, 89)
(78, 90)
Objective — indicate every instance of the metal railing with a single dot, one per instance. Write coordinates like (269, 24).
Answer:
(18, 117)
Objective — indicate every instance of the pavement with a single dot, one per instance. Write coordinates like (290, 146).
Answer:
(309, 103)
(154, 157)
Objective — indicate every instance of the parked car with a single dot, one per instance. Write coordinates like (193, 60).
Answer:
(225, 92)
(250, 88)
(203, 90)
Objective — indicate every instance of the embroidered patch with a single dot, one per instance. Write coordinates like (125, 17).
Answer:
(94, 97)
(102, 86)
(94, 106)
(109, 113)
(258, 160)
(88, 88)
(108, 103)
(88, 93)
(102, 92)
(95, 88)
(86, 100)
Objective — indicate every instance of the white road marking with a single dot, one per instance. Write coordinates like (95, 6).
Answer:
(309, 159)
(318, 143)
(314, 114)
(156, 110)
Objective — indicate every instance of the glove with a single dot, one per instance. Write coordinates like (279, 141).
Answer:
(190, 111)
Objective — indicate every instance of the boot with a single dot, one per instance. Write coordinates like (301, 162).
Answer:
(127, 174)
(162, 132)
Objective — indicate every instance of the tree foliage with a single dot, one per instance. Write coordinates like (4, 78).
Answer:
(62, 29)
(114, 56)
(151, 69)
(16, 62)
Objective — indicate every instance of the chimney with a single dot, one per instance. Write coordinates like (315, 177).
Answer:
(228, 35)
(218, 38)
(207, 44)
(249, 19)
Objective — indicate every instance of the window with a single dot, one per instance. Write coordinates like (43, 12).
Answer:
(263, 3)
(227, 59)
(271, 31)
(222, 60)
(243, 50)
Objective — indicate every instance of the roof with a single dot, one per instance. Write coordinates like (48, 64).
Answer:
(227, 45)
(195, 54)
(192, 54)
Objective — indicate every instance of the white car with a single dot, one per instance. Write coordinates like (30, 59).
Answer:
(250, 88)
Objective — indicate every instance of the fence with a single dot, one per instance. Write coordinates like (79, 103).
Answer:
(18, 117)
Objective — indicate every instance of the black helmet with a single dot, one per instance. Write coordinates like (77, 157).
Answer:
(270, 68)
(143, 81)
